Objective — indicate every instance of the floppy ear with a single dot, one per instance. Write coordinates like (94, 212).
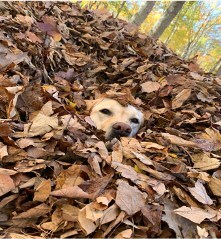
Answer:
(91, 103)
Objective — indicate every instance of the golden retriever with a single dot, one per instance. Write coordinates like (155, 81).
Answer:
(115, 119)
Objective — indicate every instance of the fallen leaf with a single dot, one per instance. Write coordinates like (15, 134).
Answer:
(196, 215)
(3, 150)
(177, 140)
(34, 212)
(203, 162)
(215, 186)
(109, 214)
(181, 98)
(150, 86)
(124, 234)
(87, 225)
(6, 184)
(42, 192)
(129, 198)
(200, 194)
(181, 226)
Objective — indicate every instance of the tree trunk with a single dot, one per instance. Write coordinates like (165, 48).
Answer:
(218, 73)
(173, 31)
(120, 9)
(215, 66)
(166, 19)
(176, 22)
(139, 17)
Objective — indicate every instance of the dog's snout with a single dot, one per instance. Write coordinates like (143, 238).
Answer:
(121, 129)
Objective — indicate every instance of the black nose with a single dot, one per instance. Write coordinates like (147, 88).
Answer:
(121, 129)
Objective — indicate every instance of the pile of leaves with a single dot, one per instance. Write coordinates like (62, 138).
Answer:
(58, 176)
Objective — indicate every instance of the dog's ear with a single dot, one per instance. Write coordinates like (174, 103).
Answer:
(91, 103)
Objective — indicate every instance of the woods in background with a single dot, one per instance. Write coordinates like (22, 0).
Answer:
(190, 28)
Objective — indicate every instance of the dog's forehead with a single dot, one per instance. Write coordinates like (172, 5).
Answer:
(134, 112)
(133, 109)
(114, 104)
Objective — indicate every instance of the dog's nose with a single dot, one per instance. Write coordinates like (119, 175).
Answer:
(121, 129)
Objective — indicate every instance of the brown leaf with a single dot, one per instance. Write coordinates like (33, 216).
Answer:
(153, 213)
(3, 150)
(87, 225)
(129, 198)
(5, 129)
(6, 184)
(150, 86)
(34, 212)
(209, 141)
(200, 194)
(92, 213)
(70, 213)
(32, 36)
(109, 214)
(143, 68)
(204, 162)
(71, 192)
(49, 25)
(117, 153)
(196, 215)
(177, 140)
(124, 234)
(181, 226)
(126, 171)
(42, 191)
(129, 146)
(43, 123)
(181, 98)
(215, 186)
(11, 56)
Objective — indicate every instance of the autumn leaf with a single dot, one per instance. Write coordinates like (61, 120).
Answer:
(204, 162)
(178, 140)
(129, 198)
(150, 86)
(50, 26)
(181, 98)
(34, 212)
(199, 193)
(6, 184)
(196, 215)
(42, 191)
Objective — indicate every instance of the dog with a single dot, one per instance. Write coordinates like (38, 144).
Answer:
(115, 119)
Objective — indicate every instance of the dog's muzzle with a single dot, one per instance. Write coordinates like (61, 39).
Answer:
(119, 130)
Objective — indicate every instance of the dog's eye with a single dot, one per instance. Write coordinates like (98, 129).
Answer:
(134, 120)
(106, 111)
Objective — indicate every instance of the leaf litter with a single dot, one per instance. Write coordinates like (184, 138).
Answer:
(58, 176)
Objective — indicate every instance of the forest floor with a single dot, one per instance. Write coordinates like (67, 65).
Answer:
(58, 176)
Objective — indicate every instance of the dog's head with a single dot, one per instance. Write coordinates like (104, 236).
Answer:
(115, 119)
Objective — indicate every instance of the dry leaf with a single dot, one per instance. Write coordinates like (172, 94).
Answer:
(129, 198)
(196, 215)
(87, 225)
(181, 98)
(178, 141)
(6, 184)
(203, 162)
(124, 234)
(42, 191)
(34, 212)
(200, 194)
(150, 86)
(215, 186)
